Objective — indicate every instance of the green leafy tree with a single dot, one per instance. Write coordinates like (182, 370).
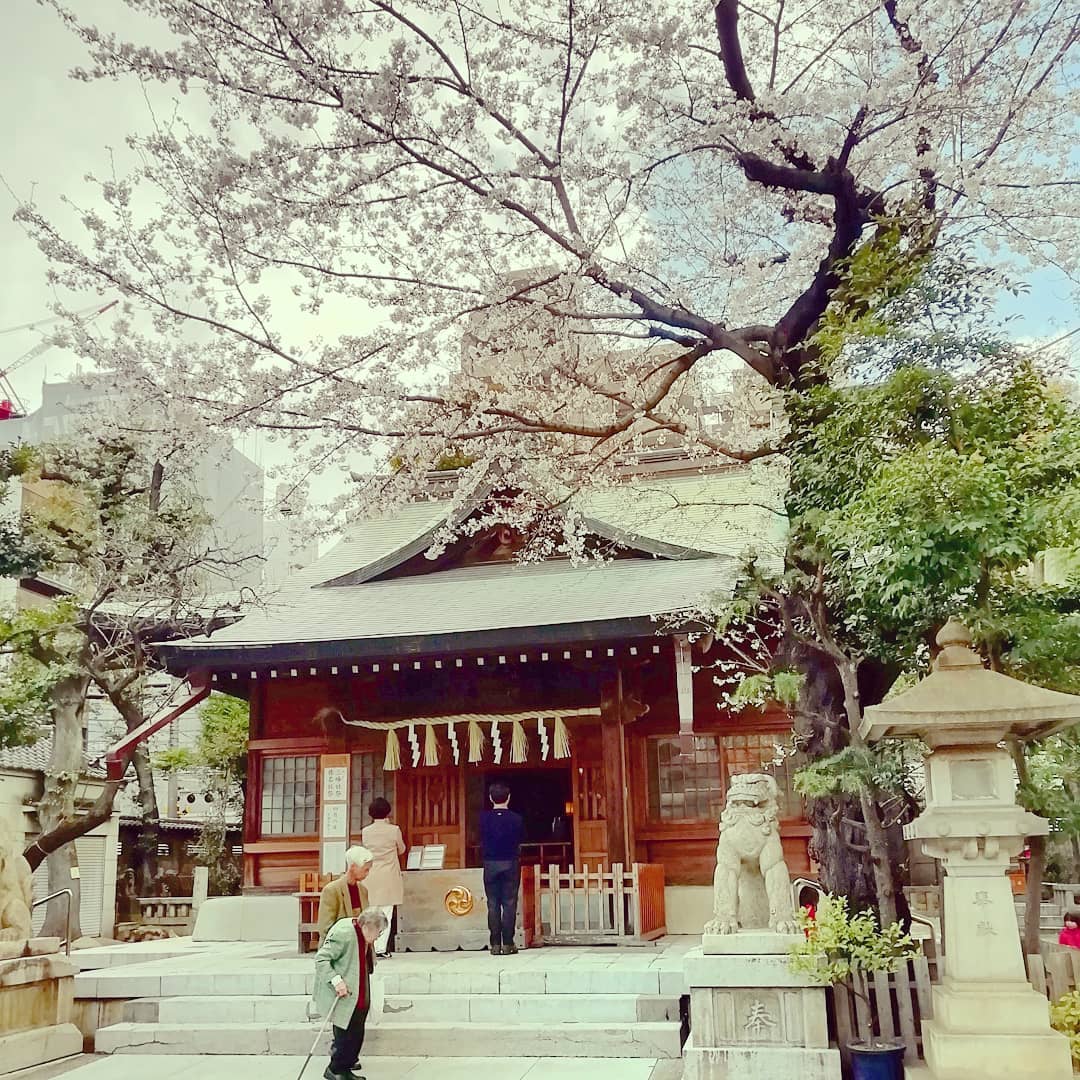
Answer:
(124, 540)
(917, 491)
(841, 944)
(220, 754)
(1051, 788)
(19, 554)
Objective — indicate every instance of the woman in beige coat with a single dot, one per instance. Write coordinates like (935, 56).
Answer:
(385, 885)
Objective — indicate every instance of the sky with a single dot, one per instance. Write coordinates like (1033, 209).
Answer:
(56, 130)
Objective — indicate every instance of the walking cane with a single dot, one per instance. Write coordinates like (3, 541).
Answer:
(311, 1052)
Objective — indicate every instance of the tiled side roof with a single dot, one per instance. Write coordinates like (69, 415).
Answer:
(703, 528)
(478, 598)
(35, 757)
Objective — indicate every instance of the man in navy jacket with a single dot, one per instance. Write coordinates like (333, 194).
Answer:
(501, 832)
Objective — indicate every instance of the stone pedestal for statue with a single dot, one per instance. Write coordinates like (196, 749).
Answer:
(751, 1016)
(988, 1022)
(35, 1007)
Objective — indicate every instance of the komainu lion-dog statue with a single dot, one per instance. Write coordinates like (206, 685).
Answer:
(16, 892)
(751, 887)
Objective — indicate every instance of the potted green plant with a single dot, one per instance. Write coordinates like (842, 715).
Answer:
(839, 944)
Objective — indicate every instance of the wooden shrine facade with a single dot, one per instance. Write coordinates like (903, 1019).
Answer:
(606, 719)
(628, 791)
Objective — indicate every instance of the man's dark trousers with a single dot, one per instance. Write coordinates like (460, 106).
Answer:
(347, 1043)
(501, 881)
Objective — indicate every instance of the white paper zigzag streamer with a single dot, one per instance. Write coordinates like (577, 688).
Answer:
(541, 727)
(451, 733)
(414, 742)
(496, 743)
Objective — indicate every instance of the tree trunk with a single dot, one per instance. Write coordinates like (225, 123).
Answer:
(57, 804)
(146, 846)
(885, 874)
(1036, 864)
(63, 866)
(129, 704)
(72, 828)
(857, 855)
(1033, 895)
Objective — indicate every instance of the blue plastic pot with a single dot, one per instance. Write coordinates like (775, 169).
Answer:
(883, 1059)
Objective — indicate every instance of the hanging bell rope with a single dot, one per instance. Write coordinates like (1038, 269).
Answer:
(562, 739)
(519, 744)
(392, 761)
(431, 747)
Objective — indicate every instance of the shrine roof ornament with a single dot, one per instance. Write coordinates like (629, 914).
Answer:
(962, 702)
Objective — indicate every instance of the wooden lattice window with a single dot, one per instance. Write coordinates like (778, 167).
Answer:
(367, 782)
(691, 787)
(289, 796)
(684, 787)
(762, 752)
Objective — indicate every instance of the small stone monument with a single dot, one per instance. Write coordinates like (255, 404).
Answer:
(987, 1021)
(750, 1015)
(36, 982)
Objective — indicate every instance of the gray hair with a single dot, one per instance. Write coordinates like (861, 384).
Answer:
(374, 918)
(357, 856)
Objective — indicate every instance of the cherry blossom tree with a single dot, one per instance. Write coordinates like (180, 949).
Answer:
(592, 209)
(535, 239)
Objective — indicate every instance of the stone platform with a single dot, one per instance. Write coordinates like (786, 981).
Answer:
(250, 998)
(182, 1067)
(754, 1018)
(35, 1010)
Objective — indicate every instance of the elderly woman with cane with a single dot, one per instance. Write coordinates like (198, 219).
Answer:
(343, 967)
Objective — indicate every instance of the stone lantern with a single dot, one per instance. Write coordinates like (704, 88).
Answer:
(987, 1020)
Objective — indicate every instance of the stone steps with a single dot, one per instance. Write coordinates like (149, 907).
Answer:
(653, 1040)
(129, 983)
(419, 1008)
(572, 1004)
(1049, 916)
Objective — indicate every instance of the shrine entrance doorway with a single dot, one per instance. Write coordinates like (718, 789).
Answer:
(543, 797)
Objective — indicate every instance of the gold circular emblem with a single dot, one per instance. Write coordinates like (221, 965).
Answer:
(458, 901)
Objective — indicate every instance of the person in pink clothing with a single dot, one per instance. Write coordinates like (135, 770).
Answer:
(385, 884)
(1070, 935)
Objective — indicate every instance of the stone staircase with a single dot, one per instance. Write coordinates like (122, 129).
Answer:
(1049, 915)
(547, 1003)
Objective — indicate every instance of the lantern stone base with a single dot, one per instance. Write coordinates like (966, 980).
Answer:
(994, 1032)
(751, 1017)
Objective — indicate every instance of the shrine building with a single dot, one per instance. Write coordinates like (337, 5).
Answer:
(380, 671)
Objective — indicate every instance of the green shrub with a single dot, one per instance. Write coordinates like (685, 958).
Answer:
(1065, 1017)
(839, 942)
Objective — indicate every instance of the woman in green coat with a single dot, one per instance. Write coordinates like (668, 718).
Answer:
(343, 967)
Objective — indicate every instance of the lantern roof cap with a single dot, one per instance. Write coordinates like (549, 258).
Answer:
(962, 703)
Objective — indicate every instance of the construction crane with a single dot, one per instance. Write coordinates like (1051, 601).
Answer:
(11, 407)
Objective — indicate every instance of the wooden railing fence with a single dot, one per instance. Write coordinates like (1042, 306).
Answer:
(623, 905)
(1056, 971)
(886, 1006)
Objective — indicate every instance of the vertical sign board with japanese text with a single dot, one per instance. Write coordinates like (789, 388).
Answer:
(334, 812)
